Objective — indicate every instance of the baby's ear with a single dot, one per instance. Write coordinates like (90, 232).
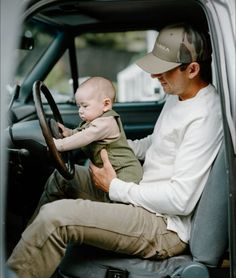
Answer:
(107, 104)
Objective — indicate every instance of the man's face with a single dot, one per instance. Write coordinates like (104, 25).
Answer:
(174, 81)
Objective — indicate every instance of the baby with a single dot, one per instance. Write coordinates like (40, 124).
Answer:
(101, 128)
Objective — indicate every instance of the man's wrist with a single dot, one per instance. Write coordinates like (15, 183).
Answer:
(112, 188)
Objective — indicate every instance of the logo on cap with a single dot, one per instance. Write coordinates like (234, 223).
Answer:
(163, 47)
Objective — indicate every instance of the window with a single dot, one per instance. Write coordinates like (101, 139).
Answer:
(28, 57)
(59, 80)
(113, 55)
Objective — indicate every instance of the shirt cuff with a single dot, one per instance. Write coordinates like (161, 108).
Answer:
(118, 190)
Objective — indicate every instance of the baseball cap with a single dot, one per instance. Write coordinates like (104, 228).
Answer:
(175, 45)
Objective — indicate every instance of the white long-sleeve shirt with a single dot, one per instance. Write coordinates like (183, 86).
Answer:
(178, 157)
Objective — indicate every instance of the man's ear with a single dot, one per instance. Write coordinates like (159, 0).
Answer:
(193, 70)
(107, 104)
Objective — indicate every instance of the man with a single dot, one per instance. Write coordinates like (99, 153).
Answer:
(151, 219)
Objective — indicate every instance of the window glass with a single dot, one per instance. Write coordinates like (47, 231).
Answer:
(28, 56)
(113, 55)
(35, 40)
(59, 80)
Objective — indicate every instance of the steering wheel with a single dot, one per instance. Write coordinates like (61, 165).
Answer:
(63, 161)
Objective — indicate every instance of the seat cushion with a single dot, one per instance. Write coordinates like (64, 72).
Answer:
(209, 236)
(87, 261)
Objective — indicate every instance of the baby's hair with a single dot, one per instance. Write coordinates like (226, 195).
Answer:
(103, 85)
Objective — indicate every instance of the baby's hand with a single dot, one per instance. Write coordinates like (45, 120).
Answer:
(64, 130)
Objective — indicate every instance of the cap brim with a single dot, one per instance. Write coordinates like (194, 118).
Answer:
(152, 64)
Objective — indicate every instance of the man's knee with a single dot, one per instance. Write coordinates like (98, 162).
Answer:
(42, 226)
(49, 213)
(61, 211)
(50, 217)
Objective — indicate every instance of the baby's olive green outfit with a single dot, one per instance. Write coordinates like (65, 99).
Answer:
(121, 156)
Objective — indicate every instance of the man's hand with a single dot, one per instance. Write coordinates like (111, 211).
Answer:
(102, 177)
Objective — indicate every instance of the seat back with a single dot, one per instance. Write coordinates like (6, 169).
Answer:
(209, 235)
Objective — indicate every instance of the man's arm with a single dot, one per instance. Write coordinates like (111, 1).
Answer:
(177, 196)
(140, 146)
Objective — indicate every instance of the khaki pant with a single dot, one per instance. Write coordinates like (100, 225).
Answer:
(118, 227)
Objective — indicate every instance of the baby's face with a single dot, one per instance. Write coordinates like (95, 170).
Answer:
(90, 105)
